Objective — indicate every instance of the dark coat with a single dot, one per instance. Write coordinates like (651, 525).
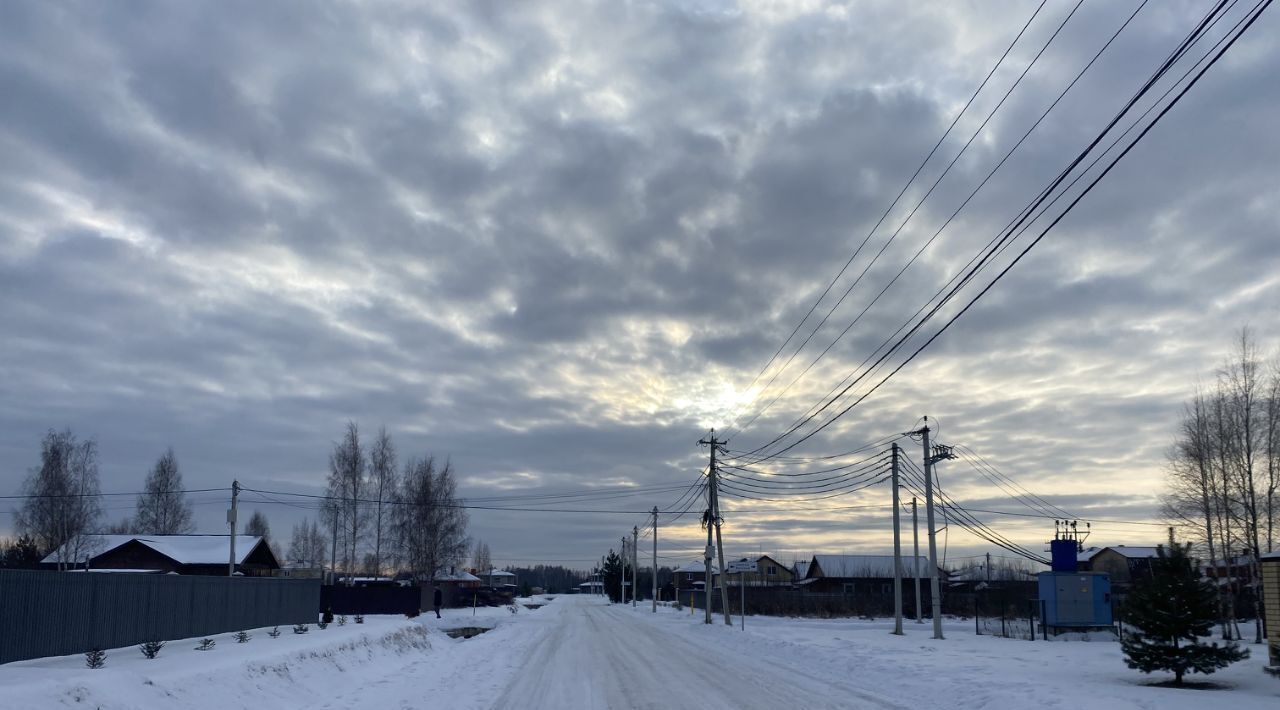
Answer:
(438, 598)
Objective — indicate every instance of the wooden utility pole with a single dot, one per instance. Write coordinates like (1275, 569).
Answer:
(655, 559)
(713, 495)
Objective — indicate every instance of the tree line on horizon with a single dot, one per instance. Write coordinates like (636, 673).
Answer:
(377, 517)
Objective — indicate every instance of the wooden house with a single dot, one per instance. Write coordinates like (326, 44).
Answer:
(177, 554)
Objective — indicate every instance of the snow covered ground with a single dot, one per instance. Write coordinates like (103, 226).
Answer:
(578, 652)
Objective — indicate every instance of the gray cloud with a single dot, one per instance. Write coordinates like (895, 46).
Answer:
(555, 243)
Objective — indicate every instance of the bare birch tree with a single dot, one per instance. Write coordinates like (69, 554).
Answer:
(346, 489)
(430, 524)
(64, 501)
(162, 506)
(382, 486)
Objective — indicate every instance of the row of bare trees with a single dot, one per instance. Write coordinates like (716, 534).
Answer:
(62, 506)
(1224, 474)
(381, 517)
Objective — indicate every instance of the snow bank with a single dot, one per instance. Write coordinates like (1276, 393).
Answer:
(292, 670)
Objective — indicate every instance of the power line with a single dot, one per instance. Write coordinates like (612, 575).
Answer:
(882, 218)
(1193, 38)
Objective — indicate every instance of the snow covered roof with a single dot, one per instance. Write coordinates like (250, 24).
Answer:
(183, 549)
(1129, 551)
(1273, 555)
(864, 565)
(499, 573)
(696, 567)
(455, 577)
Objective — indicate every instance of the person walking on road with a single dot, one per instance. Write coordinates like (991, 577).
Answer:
(437, 600)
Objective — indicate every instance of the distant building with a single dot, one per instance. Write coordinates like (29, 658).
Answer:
(866, 581)
(691, 576)
(1125, 564)
(178, 554)
(769, 573)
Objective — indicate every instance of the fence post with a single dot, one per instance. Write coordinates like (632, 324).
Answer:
(976, 628)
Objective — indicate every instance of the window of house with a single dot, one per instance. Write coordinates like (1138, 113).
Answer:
(848, 587)
(771, 570)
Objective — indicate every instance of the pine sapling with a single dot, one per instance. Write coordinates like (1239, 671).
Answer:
(151, 649)
(323, 625)
(95, 658)
(342, 620)
(300, 628)
(274, 633)
(359, 618)
(1171, 613)
(206, 645)
(242, 637)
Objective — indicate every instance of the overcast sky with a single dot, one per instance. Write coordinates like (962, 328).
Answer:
(555, 242)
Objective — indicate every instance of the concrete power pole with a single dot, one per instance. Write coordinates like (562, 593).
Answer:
(622, 573)
(635, 564)
(712, 474)
(934, 587)
(915, 557)
(231, 520)
(897, 550)
(655, 559)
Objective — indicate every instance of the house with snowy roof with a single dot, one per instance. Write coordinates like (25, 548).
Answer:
(867, 578)
(167, 554)
(1123, 563)
(692, 575)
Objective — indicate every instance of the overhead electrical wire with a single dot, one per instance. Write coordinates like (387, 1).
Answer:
(1195, 36)
(892, 204)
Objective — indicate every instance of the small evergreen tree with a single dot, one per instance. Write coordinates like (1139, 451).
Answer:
(206, 645)
(151, 649)
(242, 637)
(95, 658)
(274, 633)
(1173, 611)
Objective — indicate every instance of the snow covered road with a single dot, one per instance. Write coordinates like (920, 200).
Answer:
(580, 653)
(599, 656)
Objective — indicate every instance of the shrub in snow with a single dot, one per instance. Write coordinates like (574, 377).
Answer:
(151, 649)
(95, 658)
(206, 645)
(1171, 612)
(242, 637)
(323, 625)
(342, 620)
(359, 618)
(274, 632)
(513, 608)
(300, 628)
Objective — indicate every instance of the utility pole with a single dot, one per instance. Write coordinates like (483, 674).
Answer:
(635, 564)
(655, 559)
(988, 568)
(915, 557)
(622, 573)
(231, 520)
(897, 550)
(333, 549)
(934, 587)
(712, 491)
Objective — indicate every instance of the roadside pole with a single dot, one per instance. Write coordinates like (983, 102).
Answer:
(915, 557)
(622, 573)
(635, 564)
(231, 520)
(655, 559)
(897, 550)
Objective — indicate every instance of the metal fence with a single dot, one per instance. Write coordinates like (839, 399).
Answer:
(57, 613)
